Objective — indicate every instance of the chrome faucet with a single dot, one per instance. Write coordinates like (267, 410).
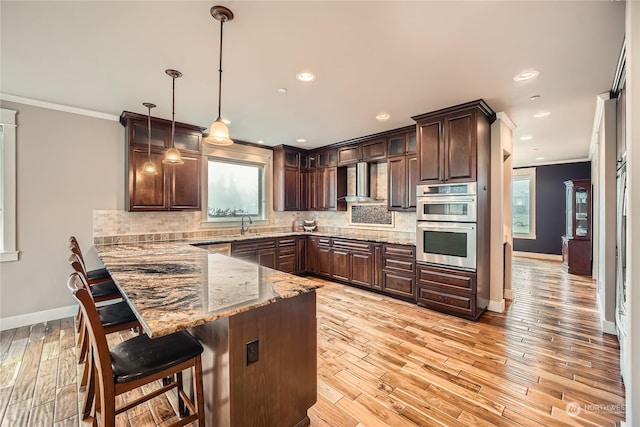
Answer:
(244, 229)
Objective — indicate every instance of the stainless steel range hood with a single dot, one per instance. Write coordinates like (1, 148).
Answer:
(366, 184)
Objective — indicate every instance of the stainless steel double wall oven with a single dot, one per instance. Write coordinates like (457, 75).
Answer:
(446, 226)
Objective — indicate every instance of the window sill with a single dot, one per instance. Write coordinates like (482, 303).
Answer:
(9, 256)
(525, 236)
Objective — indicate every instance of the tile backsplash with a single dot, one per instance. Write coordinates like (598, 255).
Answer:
(116, 226)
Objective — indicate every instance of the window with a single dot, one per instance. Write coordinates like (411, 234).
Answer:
(8, 250)
(236, 184)
(524, 203)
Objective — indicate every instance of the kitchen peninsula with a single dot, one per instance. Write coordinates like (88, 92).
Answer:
(258, 326)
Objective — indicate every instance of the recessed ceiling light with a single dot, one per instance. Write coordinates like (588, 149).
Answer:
(534, 149)
(301, 140)
(526, 75)
(382, 116)
(282, 90)
(539, 158)
(305, 76)
(226, 121)
(260, 141)
(534, 97)
(526, 138)
(541, 114)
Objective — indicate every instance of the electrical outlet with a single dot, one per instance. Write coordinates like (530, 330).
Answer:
(252, 352)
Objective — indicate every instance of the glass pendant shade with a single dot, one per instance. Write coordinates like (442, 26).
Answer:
(172, 157)
(218, 133)
(149, 168)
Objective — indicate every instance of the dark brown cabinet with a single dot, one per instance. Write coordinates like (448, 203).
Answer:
(289, 187)
(260, 251)
(175, 187)
(331, 188)
(348, 155)
(319, 256)
(399, 270)
(576, 243)
(402, 172)
(448, 290)
(373, 150)
(447, 142)
(353, 262)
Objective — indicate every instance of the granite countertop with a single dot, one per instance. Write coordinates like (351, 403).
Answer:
(399, 239)
(175, 286)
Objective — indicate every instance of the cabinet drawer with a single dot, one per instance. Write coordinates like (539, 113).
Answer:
(437, 298)
(252, 245)
(352, 245)
(399, 284)
(286, 242)
(450, 278)
(400, 251)
(399, 265)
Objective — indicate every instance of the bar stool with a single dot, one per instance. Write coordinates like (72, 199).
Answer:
(96, 275)
(137, 362)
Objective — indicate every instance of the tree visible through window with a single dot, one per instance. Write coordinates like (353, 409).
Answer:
(235, 189)
(523, 210)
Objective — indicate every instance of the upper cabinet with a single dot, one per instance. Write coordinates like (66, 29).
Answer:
(447, 142)
(175, 187)
(289, 191)
(402, 172)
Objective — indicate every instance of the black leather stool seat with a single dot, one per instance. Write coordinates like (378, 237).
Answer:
(141, 356)
(98, 273)
(116, 314)
(104, 289)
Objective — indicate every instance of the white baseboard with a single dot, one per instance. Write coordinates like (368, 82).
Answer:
(497, 306)
(508, 294)
(535, 255)
(609, 327)
(37, 317)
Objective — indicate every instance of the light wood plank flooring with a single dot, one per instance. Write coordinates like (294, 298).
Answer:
(383, 362)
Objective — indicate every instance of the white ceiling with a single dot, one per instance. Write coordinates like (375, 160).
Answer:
(403, 58)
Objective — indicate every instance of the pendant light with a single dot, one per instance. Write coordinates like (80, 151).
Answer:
(149, 168)
(218, 132)
(172, 155)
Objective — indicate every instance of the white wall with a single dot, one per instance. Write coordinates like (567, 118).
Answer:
(632, 30)
(67, 166)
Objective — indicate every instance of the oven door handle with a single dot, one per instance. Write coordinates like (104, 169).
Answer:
(446, 227)
(439, 199)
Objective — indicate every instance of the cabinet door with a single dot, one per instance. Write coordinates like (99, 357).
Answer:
(146, 192)
(397, 145)
(399, 284)
(312, 189)
(139, 134)
(341, 264)
(267, 258)
(185, 184)
(186, 139)
(302, 265)
(330, 182)
(362, 268)
(348, 155)
(374, 150)
(323, 261)
(412, 182)
(461, 147)
(431, 151)
(397, 184)
(291, 189)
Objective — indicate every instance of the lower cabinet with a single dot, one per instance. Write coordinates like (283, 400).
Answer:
(260, 251)
(287, 255)
(353, 262)
(399, 270)
(319, 256)
(448, 290)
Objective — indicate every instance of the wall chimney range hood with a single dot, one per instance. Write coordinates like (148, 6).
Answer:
(366, 184)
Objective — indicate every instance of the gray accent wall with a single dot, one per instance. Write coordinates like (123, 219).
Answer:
(550, 207)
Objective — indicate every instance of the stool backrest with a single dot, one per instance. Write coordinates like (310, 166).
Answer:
(78, 266)
(97, 337)
(74, 246)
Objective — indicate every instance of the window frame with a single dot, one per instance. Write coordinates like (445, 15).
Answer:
(520, 175)
(241, 155)
(8, 251)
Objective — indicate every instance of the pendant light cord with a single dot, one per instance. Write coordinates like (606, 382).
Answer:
(173, 112)
(220, 72)
(149, 135)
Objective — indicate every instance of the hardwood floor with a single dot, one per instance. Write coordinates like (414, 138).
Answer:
(543, 362)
